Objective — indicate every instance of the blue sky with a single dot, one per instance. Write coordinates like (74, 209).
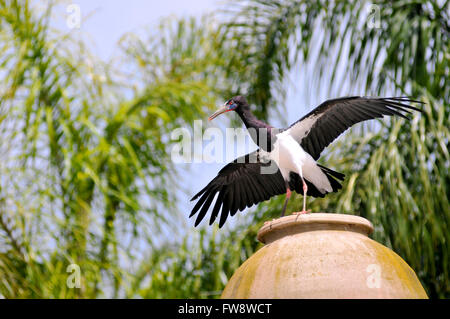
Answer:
(105, 21)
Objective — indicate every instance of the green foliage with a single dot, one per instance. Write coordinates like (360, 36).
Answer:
(85, 162)
(85, 170)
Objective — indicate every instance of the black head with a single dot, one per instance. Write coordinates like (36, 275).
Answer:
(237, 103)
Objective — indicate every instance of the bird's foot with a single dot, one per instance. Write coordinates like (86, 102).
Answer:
(302, 212)
(269, 221)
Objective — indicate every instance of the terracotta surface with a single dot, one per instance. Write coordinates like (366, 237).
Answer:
(322, 256)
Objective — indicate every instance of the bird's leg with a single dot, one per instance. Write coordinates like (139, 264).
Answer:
(305, 190)
(288, 195)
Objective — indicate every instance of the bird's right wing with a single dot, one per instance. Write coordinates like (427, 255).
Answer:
(242, 183)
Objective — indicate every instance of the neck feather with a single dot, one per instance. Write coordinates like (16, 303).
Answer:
(251, 121)
(260, 132)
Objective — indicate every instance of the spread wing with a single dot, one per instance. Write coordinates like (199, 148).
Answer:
(241, 183)
(324, 124)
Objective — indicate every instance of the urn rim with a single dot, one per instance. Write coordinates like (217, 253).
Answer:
(294, 224)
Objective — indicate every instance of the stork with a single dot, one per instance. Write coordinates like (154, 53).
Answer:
(286, 160)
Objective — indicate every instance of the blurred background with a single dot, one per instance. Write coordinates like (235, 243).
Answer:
(92, 204)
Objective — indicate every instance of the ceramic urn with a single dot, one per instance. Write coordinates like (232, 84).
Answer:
(322, 255)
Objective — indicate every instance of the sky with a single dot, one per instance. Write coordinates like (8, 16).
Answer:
(103, 23)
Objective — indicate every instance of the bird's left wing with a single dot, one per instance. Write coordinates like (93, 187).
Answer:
(242, 183)
(324, 124)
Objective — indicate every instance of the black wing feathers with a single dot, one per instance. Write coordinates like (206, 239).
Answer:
(239, 184)
(324, 124)
(216, 208)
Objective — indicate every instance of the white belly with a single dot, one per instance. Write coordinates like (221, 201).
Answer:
(290, 157)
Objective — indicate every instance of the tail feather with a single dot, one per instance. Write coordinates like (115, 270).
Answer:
(335, 174)
(332, 175)
(295, 182)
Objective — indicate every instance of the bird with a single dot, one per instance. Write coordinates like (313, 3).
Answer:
(286, 160)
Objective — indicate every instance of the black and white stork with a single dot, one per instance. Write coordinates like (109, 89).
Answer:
(292, 152)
